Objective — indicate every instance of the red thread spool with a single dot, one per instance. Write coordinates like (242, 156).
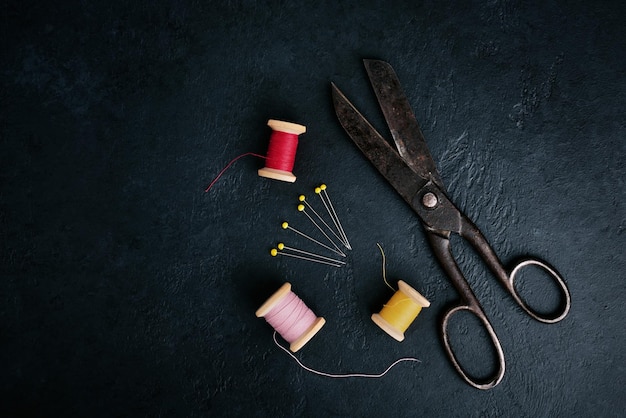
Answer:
(281, 152)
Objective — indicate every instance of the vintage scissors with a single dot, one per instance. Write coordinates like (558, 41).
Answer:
(411, 171)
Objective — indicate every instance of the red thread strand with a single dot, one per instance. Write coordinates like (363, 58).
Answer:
(228, 166)
(281, 153)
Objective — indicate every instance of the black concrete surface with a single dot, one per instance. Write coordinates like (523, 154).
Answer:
(125, 290)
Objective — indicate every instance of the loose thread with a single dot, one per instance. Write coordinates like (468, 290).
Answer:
(228, 166)
(388, 305)
(384, 274)
(343, 376)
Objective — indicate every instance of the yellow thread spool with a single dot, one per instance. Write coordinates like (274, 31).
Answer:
(400, 311)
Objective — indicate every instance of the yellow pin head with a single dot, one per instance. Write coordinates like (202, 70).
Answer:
(285, 225)
(273, 252)
(300, 208)
(323, 186)
(281, 246)
(301, 198)
(318, 190)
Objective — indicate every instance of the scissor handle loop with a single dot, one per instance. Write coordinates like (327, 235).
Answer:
(499, 373)
(566, 297)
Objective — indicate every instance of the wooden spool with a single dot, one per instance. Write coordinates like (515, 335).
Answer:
(396, 329)
(290, 128)
(274, 300)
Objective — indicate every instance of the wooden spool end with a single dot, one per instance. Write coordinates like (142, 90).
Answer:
(272, 173)
(415, 296)
(387, 327)
(309, 333)
(273, 300)
(288, 127)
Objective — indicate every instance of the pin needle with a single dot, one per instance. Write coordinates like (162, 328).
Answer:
(302, 199)
(285, 225)
(301, 209)
(274, 252)
(281, 246)
(332, 213)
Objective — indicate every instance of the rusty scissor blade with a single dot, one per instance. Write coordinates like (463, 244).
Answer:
(401, 120)
(386, 159)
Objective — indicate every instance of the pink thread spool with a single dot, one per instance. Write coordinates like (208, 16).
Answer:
(290, 317)
(281, 152)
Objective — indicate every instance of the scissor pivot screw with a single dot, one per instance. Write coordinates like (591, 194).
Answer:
(429, 200)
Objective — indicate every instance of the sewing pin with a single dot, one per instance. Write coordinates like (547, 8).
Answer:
(330, 203)
(285, 225)
(274, 252)
(302, 199)
(301, 209)
(282, 247)
(321, 191)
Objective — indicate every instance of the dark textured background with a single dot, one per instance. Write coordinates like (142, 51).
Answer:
(125, 290)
